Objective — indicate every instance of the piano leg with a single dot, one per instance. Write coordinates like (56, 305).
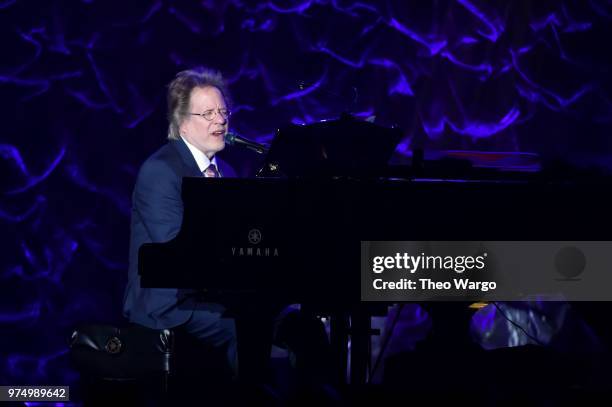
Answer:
(360, 346)
(339, 334)
(356, 325)
(254, 332)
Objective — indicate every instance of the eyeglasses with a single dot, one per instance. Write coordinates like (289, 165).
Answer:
(212, 113)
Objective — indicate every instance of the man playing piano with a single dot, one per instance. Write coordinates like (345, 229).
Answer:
(198, 121)
(198, 115)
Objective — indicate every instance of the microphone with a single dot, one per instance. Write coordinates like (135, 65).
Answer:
(234, 139)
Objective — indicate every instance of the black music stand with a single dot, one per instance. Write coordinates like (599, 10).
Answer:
(343, 147)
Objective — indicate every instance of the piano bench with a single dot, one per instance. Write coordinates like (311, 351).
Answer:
(117, 363)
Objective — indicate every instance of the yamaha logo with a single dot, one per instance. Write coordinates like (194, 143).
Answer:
(114, 345)
(254, 236)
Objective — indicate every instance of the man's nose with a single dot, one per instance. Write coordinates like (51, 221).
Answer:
(219, 119)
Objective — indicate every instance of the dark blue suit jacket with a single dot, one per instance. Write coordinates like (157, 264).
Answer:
(157, 213)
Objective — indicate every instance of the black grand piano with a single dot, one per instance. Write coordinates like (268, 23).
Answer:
(293, 234)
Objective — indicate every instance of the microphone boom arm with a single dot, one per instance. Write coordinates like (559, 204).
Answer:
(234, 139)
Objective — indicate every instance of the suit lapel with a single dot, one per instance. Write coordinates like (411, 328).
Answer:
(190, 163)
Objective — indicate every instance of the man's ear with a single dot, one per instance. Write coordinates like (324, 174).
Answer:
(183, 127)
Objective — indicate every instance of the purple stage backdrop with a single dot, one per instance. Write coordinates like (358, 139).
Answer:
(83, 104)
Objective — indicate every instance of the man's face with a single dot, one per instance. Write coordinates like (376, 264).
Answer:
(207, 136)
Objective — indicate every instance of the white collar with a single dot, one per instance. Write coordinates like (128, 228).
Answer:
(201, 159)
